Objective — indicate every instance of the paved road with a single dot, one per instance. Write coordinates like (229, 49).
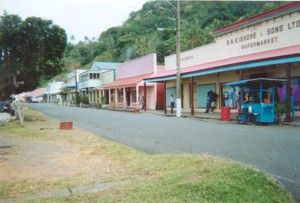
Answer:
(273, 149)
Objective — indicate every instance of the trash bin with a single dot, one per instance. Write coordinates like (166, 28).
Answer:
(225, 114)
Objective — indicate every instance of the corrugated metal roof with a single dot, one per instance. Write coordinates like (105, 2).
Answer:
(277, 53)
(126, 82)
(98, 65)
(36, 93)
(260, 17)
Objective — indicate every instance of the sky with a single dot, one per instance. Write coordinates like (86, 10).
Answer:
(78, 17)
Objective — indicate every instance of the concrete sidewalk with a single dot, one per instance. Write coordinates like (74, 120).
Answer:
(213, 116)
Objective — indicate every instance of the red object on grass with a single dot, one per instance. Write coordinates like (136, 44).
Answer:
(66, 125)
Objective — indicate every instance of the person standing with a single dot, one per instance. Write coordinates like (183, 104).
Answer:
(172, 103)
(208, 101)
(213, 103)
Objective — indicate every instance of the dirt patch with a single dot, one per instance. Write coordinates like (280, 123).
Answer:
(61, 154)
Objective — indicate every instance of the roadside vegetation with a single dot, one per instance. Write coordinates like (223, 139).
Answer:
(149, 177)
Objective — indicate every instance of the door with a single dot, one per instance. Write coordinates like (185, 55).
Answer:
(170, 91)
(202, 94)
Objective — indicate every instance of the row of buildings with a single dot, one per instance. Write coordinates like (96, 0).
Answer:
(263, 46)
(112, 85)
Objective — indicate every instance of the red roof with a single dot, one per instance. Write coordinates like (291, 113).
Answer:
(126, 82)
(287, 51)
(36, 93)
(259, 16)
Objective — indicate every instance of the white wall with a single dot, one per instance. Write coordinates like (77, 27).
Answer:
(54, 87)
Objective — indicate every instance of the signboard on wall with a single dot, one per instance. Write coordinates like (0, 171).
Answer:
(280, 32)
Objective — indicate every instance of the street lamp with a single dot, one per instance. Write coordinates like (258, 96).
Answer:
(178, 78)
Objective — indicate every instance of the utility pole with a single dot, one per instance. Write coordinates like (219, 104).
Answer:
(178, 77)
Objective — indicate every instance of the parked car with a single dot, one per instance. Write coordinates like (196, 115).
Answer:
(36, 99)
(6, 107)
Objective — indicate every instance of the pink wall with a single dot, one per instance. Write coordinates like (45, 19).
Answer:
(139, 66)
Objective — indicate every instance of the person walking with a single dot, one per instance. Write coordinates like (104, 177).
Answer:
(172, 103)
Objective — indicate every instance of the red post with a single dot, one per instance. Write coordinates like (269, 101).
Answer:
(241, 75)
(165, 96)
(145, 96)
(192, 96)
(288, 93)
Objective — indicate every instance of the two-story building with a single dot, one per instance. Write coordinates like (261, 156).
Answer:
(264, 46)
(92, 80)
(129, 89)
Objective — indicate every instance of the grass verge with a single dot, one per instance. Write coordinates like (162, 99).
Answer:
(158, 178)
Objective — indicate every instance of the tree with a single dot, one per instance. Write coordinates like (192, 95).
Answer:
(30, 49)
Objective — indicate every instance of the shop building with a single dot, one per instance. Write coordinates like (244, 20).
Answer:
(129, 89)
(104, 73)
(53, 91)
(70, 88)
(263, 46)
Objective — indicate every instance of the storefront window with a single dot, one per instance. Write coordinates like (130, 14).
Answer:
(202, 91)
(229, 96)
(295, 84)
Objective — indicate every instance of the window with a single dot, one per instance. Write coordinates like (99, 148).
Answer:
(170, 91)
(229, 96)
(202, 94)
(295, 84)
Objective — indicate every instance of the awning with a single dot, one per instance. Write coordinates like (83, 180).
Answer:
(261, 59)
(126, 82)
(69, 87)
(257, 81)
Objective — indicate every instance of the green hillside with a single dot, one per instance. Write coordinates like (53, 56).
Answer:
(139, 36)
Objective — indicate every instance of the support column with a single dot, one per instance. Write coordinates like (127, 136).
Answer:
(288, 93)
(145, 96)
(137, 96)
(165, 97)
(124, 98)
(109, 97)
(116, 98)
(89, 95)
(103, 95)
(241, 75)
(192, 96)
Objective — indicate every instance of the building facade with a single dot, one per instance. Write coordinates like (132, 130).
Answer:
(105, 73)
(53, 91)
(263, 46)
(70, 88)
(129, 89)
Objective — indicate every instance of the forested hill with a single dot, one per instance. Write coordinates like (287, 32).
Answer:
(139, 36)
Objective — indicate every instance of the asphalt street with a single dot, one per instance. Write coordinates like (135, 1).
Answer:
(274, 149)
